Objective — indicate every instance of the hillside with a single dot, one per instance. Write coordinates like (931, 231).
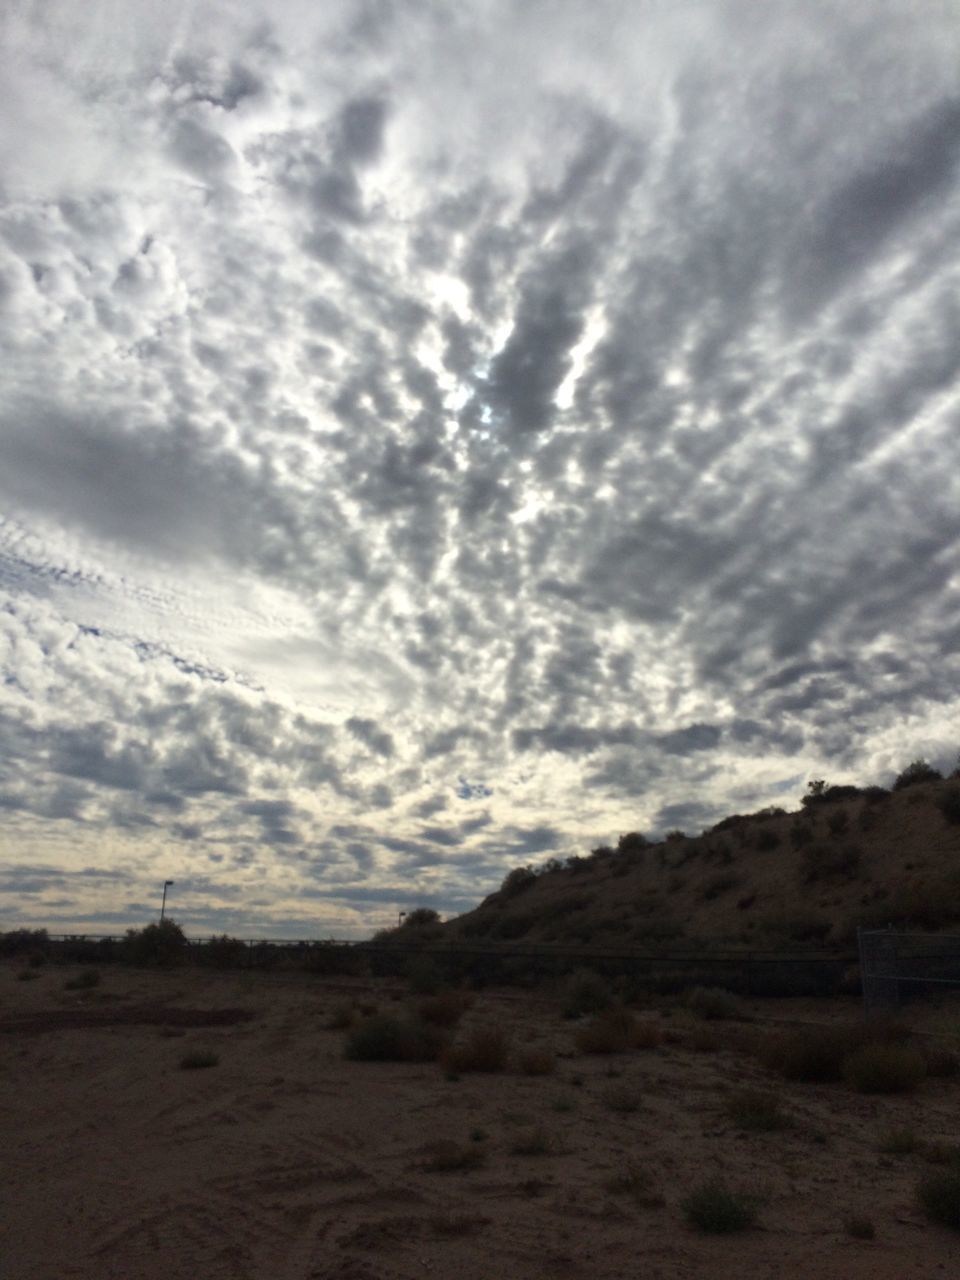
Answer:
(808, 878)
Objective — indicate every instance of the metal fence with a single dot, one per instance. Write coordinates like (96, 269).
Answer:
(897, 966)
(751, 973)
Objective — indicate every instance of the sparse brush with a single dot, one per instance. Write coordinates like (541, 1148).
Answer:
(28, 975)
(638, 1184)
(757, 1111)
(860, 1227)
(585, 992)
(341, 1017)
(815, 1058)
(714, 1004)
(199, 1060)
(612, 1031)
(84, 981)
(482, 1049)
(533, 1142)
(884, 1068)
(623, 1098)
(941, 1063)
(385, 1038)
(941, 1153)
(939, 1194)
(898, 1142)
(451, 1157)
(446, 1008)
(537, 1062)
(712, 1207)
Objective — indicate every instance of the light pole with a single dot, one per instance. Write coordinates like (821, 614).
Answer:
(163, 904)
(400, 918)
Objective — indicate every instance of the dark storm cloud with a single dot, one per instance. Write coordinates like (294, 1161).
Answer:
(371, 735)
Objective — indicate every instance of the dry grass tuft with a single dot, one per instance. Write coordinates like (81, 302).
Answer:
(482, 1049)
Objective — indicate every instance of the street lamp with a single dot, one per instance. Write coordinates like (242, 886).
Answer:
(400, 918)
(163, 904)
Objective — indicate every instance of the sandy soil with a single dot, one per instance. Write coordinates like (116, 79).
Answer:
(287, 1162)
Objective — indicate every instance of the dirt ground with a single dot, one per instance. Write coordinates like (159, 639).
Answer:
(286, 1161)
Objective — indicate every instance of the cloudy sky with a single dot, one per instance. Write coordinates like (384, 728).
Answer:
(436, 437)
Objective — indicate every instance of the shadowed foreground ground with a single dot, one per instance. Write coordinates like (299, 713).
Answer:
(287, 1162)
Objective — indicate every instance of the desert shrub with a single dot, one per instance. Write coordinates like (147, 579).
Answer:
(385, 1038)
(423, 975)
(714, 1004)
(515, 925)
(756, 1110)
(646, 1034)
(451, 1157)
(632, 843)
(673, 836)
(342, 1016)
(517, 880)
(815, 1058)
(712, 1207)
(199, 1060)
(623, 1097)
(746, 902)
(884, 1068)
(224, 952)
(534, 1142)
(916, 772)
(611, 1031)
(445, 1009)
(84, 980)
(837, 823)
(942, 1064)
(20, 942)
(161, 945)
(860, 1227)
(720, 884)
(766, 839)
(939, 1194)
(801, 833)
(636, 1181)
(482, 1049)
(824, 861)
(899, 1142)
(584, 992)
(948, 802)
(536, 1062)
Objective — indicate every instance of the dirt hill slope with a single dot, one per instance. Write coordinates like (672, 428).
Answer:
(807, 878)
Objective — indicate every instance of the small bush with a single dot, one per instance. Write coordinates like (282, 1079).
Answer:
(517, 880)
(766, 840)
(899, 1142)
(388, 1039)
(451, 1157)
(534, 1142)
(623, 1098)
(757, 1111)
(585, 992)
(916, 772)
(224, 952)
(942, 1064)
(537, 1062)
(159, 945)
(884, 1068)
(636, 1182)
(446, 1008)
(939, 1194)
(826, 862)
(720, 884)
(713, 1208)
(812, 1057)
(714, 1004)
(19, 942)
(342, 1016)
(838, 823)
(612, 1031)
(948, 802)
(199, 1061)
(84, 981)
(483, 1049)
(860, 1227)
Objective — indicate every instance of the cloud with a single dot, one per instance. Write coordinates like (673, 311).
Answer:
(547, 408)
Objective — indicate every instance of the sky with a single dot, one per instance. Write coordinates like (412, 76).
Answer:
(436, 438)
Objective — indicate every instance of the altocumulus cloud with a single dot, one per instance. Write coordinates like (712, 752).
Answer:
(433, 439)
